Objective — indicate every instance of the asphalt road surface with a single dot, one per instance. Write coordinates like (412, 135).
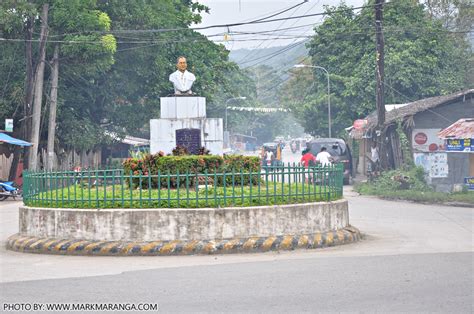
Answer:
(415, 258)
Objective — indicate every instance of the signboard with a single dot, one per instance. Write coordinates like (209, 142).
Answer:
(435, 164)
(439, 165)
(469, 182)
(9, 125)
(427, 140)
(189, 138)
(460, 145)
(359, 124)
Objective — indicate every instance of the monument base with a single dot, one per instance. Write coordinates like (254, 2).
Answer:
(185, 116)
(163, 134)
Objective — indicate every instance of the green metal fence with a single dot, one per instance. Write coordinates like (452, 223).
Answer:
(286, 184)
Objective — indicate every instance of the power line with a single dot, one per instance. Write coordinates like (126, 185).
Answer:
(258, 21)
(281, 12)
(154, 41)
(274, 54)
(261, 43)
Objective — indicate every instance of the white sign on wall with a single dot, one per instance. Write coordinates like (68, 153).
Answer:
(9, 125)
(435, 164)
(427, 140)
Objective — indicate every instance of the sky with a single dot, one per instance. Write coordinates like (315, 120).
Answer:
(234, 11)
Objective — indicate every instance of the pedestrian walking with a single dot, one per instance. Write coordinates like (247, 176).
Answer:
(323, 157)
(308, 160)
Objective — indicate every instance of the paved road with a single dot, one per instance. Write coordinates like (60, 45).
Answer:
(415, 258)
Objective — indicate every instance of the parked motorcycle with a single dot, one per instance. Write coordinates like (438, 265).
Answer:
(8, 189)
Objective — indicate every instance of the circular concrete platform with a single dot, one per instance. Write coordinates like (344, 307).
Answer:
(29, 244)
(184, 224)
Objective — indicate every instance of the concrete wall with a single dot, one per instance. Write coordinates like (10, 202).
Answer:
(458, 165)
(180, 113)
(183, 224)
(163, 134)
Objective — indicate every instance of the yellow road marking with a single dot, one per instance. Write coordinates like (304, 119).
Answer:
(268, 243)
(303, 241)
(73, 246)
(147, 247)
(286, 243)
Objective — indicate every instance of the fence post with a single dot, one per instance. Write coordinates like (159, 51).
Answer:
(140, 186)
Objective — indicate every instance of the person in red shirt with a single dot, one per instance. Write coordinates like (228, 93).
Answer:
(308, 160)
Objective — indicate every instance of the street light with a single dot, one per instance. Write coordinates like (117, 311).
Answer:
(226, 107)
(329, 89)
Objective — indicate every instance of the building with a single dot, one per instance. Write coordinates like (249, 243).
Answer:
(459, 145)
(420, 121)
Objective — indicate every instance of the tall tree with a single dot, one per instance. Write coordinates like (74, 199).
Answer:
(422, 59)
(38, 90)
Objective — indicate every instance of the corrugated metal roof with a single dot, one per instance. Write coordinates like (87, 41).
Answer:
(463, 128)
(412, 108)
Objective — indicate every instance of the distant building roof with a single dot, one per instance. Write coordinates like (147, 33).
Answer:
(129, 140)
(135, 141)
(403, 111)
(463, 128)
(413, 108)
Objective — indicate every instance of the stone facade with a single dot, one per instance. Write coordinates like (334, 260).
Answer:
(185, 113)
(184, 224)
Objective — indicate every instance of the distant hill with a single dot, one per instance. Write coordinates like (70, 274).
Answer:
(276, 57)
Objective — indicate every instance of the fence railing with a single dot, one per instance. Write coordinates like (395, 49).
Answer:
(286, 184)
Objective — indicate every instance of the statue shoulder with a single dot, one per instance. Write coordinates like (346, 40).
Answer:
(191, 76)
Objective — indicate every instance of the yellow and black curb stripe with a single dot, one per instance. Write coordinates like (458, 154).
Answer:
(164, 248)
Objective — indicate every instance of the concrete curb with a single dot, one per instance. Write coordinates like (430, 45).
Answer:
(167, 248)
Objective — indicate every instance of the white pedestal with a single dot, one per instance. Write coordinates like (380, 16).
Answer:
(185, 113)
(182, 107)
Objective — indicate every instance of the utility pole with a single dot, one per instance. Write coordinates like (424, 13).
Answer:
(52, 108)
(380, 63)
(38, 91)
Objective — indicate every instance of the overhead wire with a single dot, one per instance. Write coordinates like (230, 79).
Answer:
(388, 30)
(261, 43)
(270, 57)
(258, 21)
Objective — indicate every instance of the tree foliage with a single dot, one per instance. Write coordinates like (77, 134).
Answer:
(114, 64)
(422, 59)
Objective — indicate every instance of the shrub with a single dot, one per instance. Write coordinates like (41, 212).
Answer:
(191, 166)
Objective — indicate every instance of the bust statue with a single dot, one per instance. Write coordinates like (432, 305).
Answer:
(182, 79)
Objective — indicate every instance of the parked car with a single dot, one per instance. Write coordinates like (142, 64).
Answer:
(339, 151)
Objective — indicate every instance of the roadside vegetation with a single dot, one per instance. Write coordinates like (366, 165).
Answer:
(409, 184)
(117, 196)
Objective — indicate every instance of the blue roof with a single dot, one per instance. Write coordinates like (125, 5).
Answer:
(11, 140)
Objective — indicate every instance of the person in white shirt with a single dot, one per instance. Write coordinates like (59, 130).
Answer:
(269, 156)
(375, 158)
(323, 157)
(182, 79)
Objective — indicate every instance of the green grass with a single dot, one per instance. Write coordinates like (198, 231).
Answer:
(416, 195)
(414, 188)
(241, 196)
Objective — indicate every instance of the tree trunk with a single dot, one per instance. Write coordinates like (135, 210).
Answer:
(52, 108)
(25, 121)
(38, 92)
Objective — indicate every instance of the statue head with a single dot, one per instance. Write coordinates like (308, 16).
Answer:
(182, 80)
(181, 63)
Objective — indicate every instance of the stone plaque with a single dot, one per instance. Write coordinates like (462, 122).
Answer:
(189, 138)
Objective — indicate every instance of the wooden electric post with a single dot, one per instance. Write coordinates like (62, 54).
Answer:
(380, 63)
